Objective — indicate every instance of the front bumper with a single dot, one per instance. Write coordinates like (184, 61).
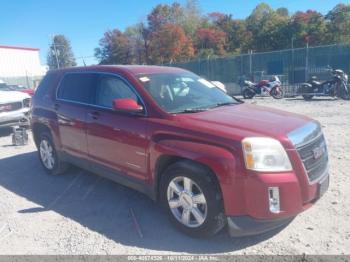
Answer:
(247, 226)
(12, 118)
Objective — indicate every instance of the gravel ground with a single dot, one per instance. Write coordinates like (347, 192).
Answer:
(80, 213)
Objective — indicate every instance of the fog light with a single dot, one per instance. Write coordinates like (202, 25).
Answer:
(274, 199)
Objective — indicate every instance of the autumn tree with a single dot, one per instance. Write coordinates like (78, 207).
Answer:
(170, 44)
(60, 53)
(115, 48)
(308, 27)
(177, 32)
(211, 38)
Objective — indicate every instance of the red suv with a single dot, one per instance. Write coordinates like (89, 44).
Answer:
(210, 159)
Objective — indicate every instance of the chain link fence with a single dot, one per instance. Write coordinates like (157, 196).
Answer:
(293, 66)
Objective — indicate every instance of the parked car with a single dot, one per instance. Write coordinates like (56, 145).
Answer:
(210, 159)
(220, 85)
(21, 88)
(14, 108)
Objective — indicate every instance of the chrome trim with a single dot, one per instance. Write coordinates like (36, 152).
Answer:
(133, 165)
(305, 134)
(140, 153)
(99, 73)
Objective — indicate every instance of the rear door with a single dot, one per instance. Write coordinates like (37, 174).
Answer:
(74, 95)
(117, 140)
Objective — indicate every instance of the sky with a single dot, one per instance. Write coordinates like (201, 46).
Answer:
(32, 23)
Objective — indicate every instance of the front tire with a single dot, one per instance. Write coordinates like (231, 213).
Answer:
(48, 156)
(277, 93)
(192, 199)
(248, 94)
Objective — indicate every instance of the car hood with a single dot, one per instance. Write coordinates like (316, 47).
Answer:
(12, 96)
(244, 120)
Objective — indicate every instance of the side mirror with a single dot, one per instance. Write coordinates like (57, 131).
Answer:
(127, 105)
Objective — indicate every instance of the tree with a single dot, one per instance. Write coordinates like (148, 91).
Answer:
(139, 42)
(211, 38)
(238, 38)
(339, 24)
(164, 14)
(115, 48)
(170, 44)
(60, 53)
(282, 11)
(192, 18)
(308, 27)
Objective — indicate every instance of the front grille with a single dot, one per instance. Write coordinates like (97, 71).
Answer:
(11, 106)
(26, 102)
(314, 157)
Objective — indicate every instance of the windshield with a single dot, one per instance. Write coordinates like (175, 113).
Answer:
(183, 92)
(15, 87)
(4, 87)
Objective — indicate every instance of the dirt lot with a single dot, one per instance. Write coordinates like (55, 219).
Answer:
(80, 213)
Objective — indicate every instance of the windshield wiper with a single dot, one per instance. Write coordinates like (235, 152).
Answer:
(192, 110)
(225, 104)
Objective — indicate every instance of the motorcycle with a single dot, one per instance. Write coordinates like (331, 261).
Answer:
(270, 87)
(335, 87)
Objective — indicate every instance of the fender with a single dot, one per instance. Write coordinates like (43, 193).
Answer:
(219, 160)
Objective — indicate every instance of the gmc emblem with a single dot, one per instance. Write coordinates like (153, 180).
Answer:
(318, 151)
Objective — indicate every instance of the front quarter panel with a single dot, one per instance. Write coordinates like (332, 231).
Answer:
(221, 161)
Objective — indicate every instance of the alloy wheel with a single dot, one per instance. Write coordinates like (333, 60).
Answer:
(187, 202)
(46, 154)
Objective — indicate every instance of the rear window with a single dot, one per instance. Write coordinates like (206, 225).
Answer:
(77, 87)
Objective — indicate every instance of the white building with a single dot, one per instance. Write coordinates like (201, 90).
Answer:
(21, 65)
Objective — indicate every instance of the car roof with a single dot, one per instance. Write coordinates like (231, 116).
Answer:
(133, 69)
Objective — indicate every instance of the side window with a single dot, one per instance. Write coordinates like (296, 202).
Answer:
(110, 88)
(45, 84)
(77, 87)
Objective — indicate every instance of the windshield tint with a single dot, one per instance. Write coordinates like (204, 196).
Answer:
(183, 92)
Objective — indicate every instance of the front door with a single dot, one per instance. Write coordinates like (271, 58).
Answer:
(117, 140)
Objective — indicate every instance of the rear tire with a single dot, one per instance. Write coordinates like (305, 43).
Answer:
(191, 196)
(49, 157)
(307, 97)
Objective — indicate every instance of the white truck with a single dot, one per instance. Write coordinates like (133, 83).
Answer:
(14, 107)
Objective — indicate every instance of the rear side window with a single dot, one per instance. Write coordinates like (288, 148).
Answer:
(77, 87)
(45, 84)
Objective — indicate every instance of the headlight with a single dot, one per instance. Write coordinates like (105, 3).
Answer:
(265, 154)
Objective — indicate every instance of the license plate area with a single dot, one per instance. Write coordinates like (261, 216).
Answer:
(323, 187)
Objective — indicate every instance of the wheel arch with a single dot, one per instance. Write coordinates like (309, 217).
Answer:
(39, 128)
(217, 161)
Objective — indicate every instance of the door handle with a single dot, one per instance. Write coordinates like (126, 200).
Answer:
(94, 115)
(56, 106)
